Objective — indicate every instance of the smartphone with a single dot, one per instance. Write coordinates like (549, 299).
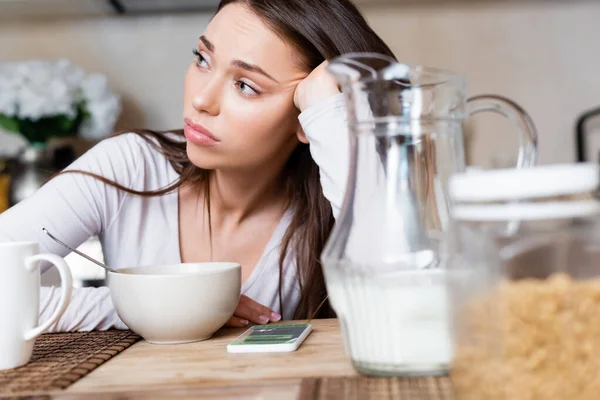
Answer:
(276, 338)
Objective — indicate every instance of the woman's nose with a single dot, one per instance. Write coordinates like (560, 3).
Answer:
(207, 98)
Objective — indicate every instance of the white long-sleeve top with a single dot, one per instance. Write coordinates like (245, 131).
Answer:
(138, 231)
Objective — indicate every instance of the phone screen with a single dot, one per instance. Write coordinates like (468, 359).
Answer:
(271, 334)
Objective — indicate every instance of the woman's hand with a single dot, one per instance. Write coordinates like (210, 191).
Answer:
(248, 311)
(319, 85)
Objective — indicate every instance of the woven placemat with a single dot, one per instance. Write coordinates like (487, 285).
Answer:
(61, 359)
(364, 388)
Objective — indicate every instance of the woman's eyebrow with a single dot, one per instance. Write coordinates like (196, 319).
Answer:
(252, 68)
(207, 43)
(238, 63)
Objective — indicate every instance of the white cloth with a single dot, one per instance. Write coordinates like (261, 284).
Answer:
(137, 231)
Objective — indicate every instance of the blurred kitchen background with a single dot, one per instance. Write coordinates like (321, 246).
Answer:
(544, 54)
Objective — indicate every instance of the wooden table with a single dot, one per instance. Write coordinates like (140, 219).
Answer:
(205, 368)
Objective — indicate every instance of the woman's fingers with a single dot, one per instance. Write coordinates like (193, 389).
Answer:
(235, 322)
(254, 312)
(249, 311)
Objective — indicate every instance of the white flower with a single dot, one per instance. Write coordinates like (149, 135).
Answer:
(71, 74)
(38, 89)
(103, 114)
(94, 87)
(8, 100)
(10, 83)
(44, 89)
(102, 106)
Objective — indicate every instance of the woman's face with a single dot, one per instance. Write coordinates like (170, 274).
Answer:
(239, 110)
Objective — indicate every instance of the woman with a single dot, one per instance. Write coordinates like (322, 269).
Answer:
(239, 183)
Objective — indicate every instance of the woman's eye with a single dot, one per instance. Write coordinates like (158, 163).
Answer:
(200, 60)
(246, 89)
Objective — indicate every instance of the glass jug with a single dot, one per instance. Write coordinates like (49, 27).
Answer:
(384, 260)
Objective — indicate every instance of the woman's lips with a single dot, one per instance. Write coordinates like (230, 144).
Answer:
(198, 134)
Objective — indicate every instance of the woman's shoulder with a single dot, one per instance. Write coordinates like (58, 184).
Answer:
(139, 146)
(136, 144)
(129, 157)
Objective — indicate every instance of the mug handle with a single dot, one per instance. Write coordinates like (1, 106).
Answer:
(528, 137)
(32, 263)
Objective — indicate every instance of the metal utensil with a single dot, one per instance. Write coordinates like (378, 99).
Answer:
(106, 267)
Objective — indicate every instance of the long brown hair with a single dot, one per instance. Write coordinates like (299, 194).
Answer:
(320, 30)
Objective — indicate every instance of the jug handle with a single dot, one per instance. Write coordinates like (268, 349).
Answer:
(528, 137)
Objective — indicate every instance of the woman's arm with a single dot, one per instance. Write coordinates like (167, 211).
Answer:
(326, 127)
(324, 120)
(75, 207)
(90, 309)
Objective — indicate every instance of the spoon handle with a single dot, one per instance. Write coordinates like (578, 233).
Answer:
(78, 252)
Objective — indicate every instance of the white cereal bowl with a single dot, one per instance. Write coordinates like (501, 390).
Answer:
(179, 303)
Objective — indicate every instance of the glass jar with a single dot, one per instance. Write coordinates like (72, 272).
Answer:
(525, 283)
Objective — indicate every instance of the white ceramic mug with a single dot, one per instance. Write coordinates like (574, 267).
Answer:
(20, 300)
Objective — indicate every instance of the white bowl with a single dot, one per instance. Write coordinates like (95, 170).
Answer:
(178, 303)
